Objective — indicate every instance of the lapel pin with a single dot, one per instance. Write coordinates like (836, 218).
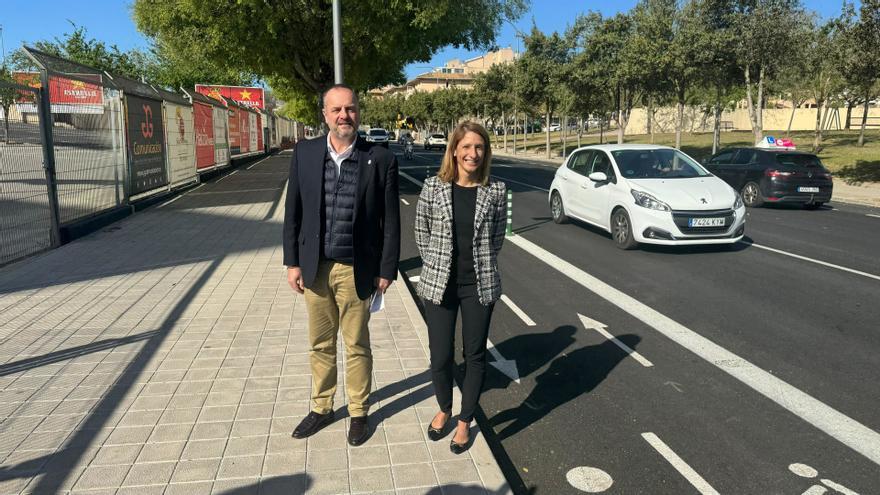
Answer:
(369, 162)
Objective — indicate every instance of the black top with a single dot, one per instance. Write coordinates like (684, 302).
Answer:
(464, 208)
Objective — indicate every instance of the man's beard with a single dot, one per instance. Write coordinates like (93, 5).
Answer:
(345, 133)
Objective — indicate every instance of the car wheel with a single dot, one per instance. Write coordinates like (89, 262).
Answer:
(621, 230)
(751, 194)
(557, 209)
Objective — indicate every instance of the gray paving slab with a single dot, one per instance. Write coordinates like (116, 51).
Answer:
(166, 354)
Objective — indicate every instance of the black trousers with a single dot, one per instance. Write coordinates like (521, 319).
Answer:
(475, 319)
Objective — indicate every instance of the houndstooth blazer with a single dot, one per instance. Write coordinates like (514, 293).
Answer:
(435, 241)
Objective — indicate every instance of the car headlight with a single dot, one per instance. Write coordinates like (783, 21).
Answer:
(738, 202)
(645, 200)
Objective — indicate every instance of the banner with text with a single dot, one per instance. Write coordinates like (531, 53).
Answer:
(246, 96)
(146, 148)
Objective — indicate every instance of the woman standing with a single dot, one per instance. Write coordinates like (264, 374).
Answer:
(460, 222)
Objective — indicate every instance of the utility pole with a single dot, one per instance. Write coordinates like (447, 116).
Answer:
(2, 44)
(337, 40)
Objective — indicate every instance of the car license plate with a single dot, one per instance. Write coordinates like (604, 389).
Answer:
(808, 189)
(706, 222)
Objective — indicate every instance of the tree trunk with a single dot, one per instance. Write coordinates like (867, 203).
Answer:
(547, 130)
(6, 125)
(753, 111)
(817, 138)
(581, 129)
(760, 110)
(601, 131)
(564, 128)
(716, 131)
(526, 133)
(649, 111)
(849, 106)
(680, 120)
(504, 129)
(864, 120)
(794, 105)
(514, 130)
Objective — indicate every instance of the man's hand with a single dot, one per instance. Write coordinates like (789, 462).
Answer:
(382, 284)
(295, 279)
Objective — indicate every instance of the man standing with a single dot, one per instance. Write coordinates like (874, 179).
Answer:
(341, 244)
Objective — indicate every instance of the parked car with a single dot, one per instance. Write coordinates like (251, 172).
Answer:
(435, 141)
(767, 175)
(646, 193)
(378, 136)
(554, 127)
(362, 134)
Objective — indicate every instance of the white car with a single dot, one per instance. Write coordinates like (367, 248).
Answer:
(646, 193)
(435, 141)
(378, 136)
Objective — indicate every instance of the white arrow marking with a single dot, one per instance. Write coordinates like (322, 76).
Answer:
(590, 323)
(506, 366)
(675, 385)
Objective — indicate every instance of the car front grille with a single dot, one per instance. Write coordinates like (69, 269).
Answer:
(680, 217)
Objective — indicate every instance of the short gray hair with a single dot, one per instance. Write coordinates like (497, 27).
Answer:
(339, 86)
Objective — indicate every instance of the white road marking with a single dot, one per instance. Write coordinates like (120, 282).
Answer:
(404, 201)
(226, 176)
(589, 479)
(506, 366)
(410, 178)
(513, 307)
(590, 323)
(811, 260)
(678, 463)
(414, 278)
(520, 183)
(179, 196)
(257, 163)
(836, 424)
(873, 215)
(805, 471)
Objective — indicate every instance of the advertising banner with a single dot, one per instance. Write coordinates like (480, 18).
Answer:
(254, 132)
(146, 148)
(204, 128)
(262, 130)
(244, 132)
(180, 142)
(221, 136)
(245, 96)
(66, 95)
(234, 134)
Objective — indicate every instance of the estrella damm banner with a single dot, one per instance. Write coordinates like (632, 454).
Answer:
(243, 95)
(146, 146)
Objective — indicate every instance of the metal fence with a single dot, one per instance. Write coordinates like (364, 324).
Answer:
(26, 225)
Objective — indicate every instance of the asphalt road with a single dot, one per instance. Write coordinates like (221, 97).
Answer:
(749, 370)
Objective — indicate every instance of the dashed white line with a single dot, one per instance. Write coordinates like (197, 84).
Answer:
(513, 307)
(179, 196)
(678, 463)
(811, 260)
(872, 215)
(257, 163)
(815, 412)
(404, 201)
(520, 183)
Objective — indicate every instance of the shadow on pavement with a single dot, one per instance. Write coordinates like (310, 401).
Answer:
(568, 377)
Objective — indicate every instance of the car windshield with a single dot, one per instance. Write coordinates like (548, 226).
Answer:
(378, 132)
(799, 160)
(657, 164)
(438, 136)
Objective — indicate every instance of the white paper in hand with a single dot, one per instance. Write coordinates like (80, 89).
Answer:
(377, 301)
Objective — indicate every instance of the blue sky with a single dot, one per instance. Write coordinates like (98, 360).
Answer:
(110, 21)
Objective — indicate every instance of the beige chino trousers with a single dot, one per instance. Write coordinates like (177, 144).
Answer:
(333, 305)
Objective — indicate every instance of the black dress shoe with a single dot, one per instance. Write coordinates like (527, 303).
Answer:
(437, 433)
(312, 424)
(358, 431)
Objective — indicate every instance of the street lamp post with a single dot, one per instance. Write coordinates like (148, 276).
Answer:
(337, 41)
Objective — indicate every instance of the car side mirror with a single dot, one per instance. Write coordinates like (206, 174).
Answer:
(598, 177)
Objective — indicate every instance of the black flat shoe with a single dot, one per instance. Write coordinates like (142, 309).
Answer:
(437, 433)
(459, 448)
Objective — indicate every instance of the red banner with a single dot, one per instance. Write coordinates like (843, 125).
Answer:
(243, 95)
(76, 92)
(260, 132)
(204, 125)
(31, 79)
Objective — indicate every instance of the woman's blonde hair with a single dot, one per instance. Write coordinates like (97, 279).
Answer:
(448, 168)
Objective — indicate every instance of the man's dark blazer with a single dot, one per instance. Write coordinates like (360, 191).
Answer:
(376, 213)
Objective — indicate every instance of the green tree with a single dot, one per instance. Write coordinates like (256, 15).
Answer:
(861, 59)
(289, 44)
(763, 30)
(8, 94)
(824, 49)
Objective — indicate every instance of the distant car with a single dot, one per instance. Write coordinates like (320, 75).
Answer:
(773, 176)
(435, 141)
(362, 134)
(378, 136)
(554, 127)
(645, 193)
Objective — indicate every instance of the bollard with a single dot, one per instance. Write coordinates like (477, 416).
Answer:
(509, 231)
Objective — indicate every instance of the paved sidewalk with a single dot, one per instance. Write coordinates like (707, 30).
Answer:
(166, 354)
